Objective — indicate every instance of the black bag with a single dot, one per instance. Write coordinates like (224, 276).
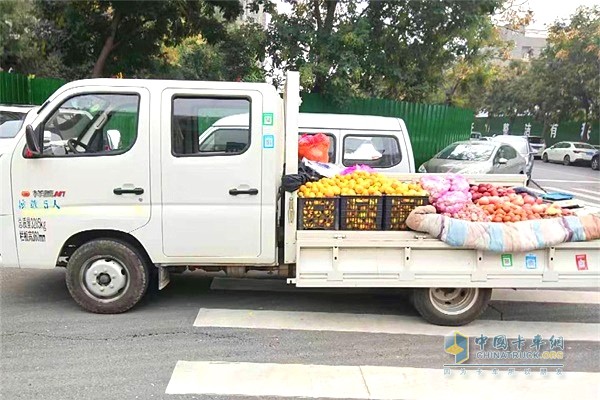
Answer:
(292, 182)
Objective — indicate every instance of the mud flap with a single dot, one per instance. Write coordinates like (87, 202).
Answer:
(163, 277)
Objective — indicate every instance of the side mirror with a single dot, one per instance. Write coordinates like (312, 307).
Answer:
(502, 161)
(34, 141)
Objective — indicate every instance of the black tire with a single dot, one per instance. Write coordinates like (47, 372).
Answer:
(594, 163)
(545, 157)
(90, 260)
(567, 160)
(424, 303)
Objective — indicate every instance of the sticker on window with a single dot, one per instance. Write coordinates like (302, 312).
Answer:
(531, 261)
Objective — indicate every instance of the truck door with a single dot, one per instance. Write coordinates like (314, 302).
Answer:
(94, 172)
(211, 193)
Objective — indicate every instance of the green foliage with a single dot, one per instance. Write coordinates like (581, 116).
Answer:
(393, 50)
(238, 56)
(121, 36)
(562, 83)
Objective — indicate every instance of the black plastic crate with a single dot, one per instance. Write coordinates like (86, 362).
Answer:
(361, 213)
(318, 213)
(397, 208)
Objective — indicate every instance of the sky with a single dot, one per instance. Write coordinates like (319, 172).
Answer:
(545, 12)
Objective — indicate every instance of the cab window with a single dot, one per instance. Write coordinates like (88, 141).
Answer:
(202, 126)
(376, 151)
(92, 124)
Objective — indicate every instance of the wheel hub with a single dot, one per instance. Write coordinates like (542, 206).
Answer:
(452, 301)
(105, 278)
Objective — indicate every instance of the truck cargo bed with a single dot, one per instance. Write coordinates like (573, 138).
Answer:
(412, 259)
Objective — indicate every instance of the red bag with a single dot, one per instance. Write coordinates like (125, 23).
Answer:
(314, 147)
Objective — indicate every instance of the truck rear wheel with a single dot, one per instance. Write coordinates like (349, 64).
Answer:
(451, 306)
(107, 276)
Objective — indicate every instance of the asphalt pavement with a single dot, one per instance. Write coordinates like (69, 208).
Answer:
(203, 338)
(579, 180)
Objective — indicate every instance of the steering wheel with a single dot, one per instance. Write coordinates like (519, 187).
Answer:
(73, 143)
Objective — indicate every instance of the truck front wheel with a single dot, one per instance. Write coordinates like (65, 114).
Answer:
(451, 306)
(107, 276)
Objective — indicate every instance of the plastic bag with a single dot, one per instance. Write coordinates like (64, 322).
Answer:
(314, 147)
(358, 167)
(324, 169)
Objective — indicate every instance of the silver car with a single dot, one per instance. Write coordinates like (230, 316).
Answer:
(521, 144)
(477, 157)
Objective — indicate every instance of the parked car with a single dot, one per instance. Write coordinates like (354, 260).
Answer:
(380, 142)
(12, 118)
(521, 144)
(538, 145)
(476, 135)
(569, 152)
(594, 163)
(477, 157)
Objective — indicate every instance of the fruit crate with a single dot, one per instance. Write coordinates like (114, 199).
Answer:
(361, 213)
(318, 213)
(397, 208)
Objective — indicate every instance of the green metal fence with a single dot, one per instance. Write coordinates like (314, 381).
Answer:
(551, 132)
(430, 127)
(21, 89)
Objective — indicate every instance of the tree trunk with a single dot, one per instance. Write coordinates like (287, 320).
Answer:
(109, 46)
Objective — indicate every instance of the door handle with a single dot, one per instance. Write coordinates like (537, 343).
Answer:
(235, 192)
(120, 191)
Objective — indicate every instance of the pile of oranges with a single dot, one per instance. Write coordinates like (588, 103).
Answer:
(360, 183)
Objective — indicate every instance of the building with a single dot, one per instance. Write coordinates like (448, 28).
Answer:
(527, 44)
(248, 16)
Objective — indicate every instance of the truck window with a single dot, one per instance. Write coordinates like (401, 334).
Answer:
(92, 124)
(377, 151)
(332, 144)
(203, 126)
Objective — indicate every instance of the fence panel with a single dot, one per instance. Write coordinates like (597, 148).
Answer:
(430, 127)
(21, 89)
(551, 132)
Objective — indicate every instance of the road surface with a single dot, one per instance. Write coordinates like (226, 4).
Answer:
(579, 180)
(246, 339)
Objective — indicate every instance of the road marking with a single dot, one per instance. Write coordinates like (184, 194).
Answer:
(573, 192)
(565, 181)
(390, 324)
(546, 296)
(595, 192)
(371, 382)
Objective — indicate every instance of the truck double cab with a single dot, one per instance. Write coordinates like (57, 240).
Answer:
(130, 196)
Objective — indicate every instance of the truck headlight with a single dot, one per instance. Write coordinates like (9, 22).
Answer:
(422, 169)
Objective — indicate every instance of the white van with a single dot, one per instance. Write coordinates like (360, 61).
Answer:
(380, 142)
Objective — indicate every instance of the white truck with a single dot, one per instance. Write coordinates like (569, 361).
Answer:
(120, 213)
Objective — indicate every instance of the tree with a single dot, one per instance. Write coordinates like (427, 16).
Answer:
(390, 49)
(121, 36)
(238, 56)
(562, 84)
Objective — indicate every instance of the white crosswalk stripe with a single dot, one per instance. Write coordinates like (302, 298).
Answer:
(227, 378)
(391, 324)
(368, 382)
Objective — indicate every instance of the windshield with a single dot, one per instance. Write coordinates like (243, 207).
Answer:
(536, 140)
(477, 151)
(10, 123)
(584, 146)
